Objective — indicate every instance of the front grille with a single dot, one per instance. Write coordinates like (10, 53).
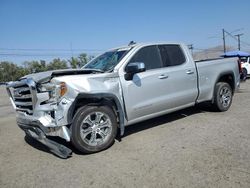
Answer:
(22, 95)
(23, 99)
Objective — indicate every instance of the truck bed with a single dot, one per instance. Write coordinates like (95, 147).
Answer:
(208, 73)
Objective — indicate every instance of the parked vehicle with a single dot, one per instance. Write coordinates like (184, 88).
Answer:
(121, 87)
(245, 64)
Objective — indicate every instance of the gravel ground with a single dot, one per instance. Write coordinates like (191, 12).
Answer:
(189, 148)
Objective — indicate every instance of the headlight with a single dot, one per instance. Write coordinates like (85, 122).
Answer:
(59, 90)
(55, 90)
(63, 88)
(46, 87)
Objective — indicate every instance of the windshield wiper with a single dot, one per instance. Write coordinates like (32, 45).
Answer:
(110, 69)
(94, 70)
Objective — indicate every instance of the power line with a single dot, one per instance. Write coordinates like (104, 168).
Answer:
(49, 49)
(33, 55)
(231, 35)
(235, 37)
(245, 43)
(43, 52)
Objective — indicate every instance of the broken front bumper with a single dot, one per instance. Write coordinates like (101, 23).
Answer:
(44, 123)
(36, 130)
(40, 119)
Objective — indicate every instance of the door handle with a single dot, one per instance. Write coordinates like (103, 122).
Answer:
(190, 72)
(163, 76)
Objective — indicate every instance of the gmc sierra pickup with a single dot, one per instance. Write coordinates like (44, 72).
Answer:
(121, 87)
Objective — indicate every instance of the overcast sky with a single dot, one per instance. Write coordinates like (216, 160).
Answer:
(45, 29)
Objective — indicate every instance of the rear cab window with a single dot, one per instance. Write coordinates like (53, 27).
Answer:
(171, 55)
(159, 56)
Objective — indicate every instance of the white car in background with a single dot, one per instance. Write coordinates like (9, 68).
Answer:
(245, 65)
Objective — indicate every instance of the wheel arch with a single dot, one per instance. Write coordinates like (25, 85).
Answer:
(99, 99)
(227, 77)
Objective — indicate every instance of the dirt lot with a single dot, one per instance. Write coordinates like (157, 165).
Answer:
(190, 148)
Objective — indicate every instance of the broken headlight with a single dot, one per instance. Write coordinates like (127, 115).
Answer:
(56, 91)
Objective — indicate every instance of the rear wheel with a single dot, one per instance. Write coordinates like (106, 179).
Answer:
(223, 96)
(94, 128)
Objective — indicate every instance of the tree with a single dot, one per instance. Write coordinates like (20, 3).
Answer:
(35, 66)
(10, 71)
(74, 62)
(83, 59)
(80, 61)
(57, 64)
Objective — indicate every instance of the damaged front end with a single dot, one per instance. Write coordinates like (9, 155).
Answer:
(41, 111)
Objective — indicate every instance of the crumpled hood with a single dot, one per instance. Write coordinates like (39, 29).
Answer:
(48, 75)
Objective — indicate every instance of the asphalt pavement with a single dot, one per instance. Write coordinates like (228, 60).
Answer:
(189, 148)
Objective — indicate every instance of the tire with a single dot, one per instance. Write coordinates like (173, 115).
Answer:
(94, 128)
(244, 74)
(223, 97)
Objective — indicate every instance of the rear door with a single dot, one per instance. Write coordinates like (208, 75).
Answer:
(181, 84)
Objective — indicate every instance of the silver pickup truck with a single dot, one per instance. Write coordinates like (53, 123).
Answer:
(121, 87)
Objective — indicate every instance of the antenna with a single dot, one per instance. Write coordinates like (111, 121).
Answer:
(131, 43)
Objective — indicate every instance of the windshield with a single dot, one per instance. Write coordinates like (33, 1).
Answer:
(107, 61)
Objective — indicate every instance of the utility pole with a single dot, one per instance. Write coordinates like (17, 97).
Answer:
(224, 41)
(238, 36)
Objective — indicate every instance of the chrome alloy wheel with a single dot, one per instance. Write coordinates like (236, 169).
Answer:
(225, 96)
(96, 128)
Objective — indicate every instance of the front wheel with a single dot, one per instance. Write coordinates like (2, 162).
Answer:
(223, 96)
(94, 128)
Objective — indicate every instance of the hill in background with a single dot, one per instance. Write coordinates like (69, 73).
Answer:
(210, 53)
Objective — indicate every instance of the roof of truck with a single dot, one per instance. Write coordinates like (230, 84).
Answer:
(145, 44)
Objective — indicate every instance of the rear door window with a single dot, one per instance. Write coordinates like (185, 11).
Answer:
(171, 55)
